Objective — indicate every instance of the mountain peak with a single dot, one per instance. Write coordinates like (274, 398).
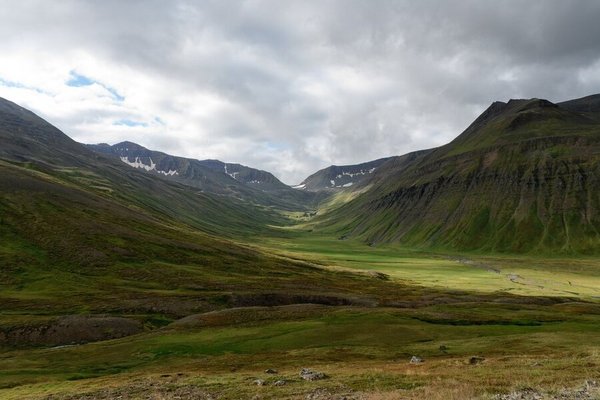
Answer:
(128, 145)
(529, 104)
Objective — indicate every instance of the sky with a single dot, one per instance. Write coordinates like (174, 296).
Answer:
(289, 86)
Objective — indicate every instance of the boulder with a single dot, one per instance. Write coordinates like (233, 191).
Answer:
(476, 360)
(416, 360)
(310, 375)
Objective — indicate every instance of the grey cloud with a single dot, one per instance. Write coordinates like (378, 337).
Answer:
(327, 81)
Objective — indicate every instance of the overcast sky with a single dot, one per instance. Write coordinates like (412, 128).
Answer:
(289, 86)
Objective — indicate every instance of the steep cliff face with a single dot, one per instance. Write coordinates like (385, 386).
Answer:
(525, 176)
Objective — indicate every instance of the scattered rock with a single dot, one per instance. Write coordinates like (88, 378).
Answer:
(259, 382)
(523, 394)
(589, 384)
(589, 391)
(310, 375)
(416, 360)
(476, 360)
(270, 371)
(379, 275)
(327, 394)
(318, 394)
(280, 382)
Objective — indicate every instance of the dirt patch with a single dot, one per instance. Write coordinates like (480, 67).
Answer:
(70, 329)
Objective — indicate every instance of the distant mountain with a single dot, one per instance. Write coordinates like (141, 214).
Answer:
(336, 177)
(199, 171)
(212, 176)
(524, 176)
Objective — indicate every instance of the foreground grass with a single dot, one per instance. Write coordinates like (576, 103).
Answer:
(362, 350)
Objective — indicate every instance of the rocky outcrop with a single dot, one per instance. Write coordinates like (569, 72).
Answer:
(71, 329)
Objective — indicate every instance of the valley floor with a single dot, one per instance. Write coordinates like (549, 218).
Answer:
(482, 327)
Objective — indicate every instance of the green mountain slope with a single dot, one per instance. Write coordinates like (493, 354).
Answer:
(523, 177)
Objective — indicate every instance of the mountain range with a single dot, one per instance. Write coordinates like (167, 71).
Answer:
(522, 177)
(212, 176)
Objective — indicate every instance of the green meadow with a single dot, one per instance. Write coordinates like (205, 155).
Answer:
(525, 275)
(533, 321)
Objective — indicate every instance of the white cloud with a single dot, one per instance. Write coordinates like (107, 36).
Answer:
(290, 86)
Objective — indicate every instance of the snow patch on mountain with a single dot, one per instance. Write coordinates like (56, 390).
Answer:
(137, 163)
(353, 174)
(170, 172)
(232, 174)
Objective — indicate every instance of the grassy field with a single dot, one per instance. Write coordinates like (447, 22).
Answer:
(361, 350)
(534, 321)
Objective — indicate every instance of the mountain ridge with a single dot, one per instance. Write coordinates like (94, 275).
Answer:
(336, 177)
(212, 176)
(539, 158)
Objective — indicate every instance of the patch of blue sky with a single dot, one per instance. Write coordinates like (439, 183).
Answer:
(130, 123)
(78, 80)
(11, 84)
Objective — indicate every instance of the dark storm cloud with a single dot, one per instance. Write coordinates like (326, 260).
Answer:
(292, 86)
